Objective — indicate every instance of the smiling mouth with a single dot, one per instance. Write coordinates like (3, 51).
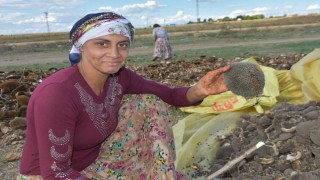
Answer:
(112, 63)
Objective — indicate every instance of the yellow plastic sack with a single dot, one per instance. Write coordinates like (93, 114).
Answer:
(227, 102)
(289, 91)
(196, 139)
(306, 74)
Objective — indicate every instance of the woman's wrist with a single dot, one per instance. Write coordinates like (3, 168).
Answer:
(195, 94)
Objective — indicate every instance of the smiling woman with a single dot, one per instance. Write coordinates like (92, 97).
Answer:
(81, 124)
(106, 53)
(97, 25)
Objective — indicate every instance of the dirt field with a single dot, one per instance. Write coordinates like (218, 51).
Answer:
(46, 58)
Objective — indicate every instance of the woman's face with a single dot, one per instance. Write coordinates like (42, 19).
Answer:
(106, 54)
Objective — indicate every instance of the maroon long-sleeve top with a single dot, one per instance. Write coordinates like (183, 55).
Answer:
(67, 122)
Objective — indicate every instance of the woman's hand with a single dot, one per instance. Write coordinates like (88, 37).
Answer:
(209, 84)
(213, 82)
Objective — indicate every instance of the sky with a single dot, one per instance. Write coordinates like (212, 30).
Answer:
(42, 16)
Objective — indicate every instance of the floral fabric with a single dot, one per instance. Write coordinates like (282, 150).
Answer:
(141, 147)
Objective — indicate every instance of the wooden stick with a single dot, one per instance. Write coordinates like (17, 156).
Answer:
(236, 160)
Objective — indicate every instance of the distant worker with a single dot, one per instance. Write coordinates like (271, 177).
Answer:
(162, 47)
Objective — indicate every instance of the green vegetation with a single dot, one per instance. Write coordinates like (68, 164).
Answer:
(191, 54)
(234, 51)
(40, 37)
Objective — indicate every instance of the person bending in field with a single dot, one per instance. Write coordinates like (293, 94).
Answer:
(162, 48)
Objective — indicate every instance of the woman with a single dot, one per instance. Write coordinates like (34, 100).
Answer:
(162, 48)
(76, 110)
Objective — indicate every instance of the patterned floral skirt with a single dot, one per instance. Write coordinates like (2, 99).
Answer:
(162, 49)
(141, 147)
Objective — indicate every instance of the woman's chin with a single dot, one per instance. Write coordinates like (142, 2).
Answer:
(111, 70)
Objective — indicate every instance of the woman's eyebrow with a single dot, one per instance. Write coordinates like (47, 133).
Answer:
(101, 39)
(124, 41)
(107, 40)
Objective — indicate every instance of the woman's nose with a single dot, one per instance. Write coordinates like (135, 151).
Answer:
(114, 53)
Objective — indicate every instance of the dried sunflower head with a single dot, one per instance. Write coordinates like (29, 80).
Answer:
(245, 79)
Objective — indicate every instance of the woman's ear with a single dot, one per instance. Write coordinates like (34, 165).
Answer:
(81, 49)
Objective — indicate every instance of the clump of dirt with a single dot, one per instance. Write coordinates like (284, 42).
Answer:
(289, 130)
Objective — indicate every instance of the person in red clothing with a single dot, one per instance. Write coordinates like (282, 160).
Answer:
(82, 123)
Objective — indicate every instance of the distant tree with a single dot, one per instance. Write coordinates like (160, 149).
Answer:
(239, 17)
(226, 18)
(204, 20)
(257, 16)
(210, 20)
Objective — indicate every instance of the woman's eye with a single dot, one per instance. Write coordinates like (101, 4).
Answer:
(124, 45)
(102, 44)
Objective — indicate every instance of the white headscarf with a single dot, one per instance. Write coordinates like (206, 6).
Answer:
(97, 25)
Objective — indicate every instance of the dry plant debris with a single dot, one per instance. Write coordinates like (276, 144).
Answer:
(291, 132)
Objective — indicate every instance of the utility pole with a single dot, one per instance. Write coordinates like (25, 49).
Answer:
(147, 23)
(198, 18)
(46, 16)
